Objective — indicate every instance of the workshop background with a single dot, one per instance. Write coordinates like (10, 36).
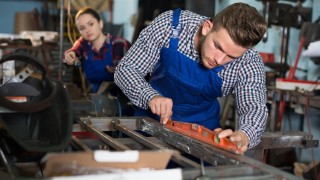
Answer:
(126, 18)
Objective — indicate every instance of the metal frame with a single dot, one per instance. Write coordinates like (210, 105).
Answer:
(220, 164)
(141, 133)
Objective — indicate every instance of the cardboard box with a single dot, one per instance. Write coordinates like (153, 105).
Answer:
(105, 162)
(168, 174)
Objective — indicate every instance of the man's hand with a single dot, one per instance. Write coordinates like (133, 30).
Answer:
(238, 137)
(162, 107)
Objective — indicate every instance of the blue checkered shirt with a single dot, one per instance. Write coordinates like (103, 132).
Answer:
(244, 76)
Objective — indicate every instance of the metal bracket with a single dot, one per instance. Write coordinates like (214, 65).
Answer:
(22, 75)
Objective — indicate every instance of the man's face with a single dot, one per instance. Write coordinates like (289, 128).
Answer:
(217, 48)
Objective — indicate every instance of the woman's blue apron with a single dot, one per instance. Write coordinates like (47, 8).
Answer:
(192, 87)
(95, 70)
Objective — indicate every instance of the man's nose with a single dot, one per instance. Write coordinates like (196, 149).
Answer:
(220, 57)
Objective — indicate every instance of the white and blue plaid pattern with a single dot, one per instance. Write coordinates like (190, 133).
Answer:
(244, 76)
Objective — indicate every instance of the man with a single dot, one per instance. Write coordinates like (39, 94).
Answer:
(192, 61)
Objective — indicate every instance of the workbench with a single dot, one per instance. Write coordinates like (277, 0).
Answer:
(221, 164)
(297, 100)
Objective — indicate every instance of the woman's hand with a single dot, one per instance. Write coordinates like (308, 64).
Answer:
(70, 57)
(110, 69)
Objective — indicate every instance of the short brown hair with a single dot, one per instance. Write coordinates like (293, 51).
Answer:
(245, 25)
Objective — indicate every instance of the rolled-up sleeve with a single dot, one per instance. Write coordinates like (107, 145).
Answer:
(140, 60)
(250, 94)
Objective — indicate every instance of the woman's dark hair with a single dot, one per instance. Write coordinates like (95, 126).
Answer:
(88, 10)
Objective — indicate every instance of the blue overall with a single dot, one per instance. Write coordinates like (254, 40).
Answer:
(95, 70)
(192, 87)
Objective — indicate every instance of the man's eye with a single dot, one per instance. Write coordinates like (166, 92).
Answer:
(216, 46)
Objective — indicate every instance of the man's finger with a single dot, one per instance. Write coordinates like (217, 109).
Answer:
(168, 112)
(164, 120)
(244, 148)
(163, 110)
(164, 115)
(217, 130)
(153, 108)
(235, 138)
(225, 133)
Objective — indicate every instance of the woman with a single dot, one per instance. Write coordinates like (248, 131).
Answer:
(94, 48)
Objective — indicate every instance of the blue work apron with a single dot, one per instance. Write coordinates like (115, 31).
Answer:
(95, 70)
(192, 87)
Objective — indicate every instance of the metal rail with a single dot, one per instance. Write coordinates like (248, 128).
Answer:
(177, 158)
(104, 137)
(220, 164)
(216, 156)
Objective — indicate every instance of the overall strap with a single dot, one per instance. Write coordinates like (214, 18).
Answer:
(174, 40)
(109, 41)
(217, 69)
(89, 51)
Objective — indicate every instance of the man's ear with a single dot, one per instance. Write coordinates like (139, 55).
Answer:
(206, 27)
